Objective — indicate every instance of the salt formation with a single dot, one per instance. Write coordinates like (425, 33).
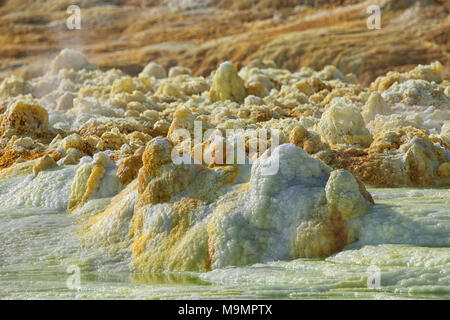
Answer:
(69, 59)
(14, 86)
(342, 123)
(375, 105)
(183, 119)
(129, 167)
(315, 224)
(72, 156)
(308, 141)
(153, 70)
(87, 180)
(43, 163)
(195, 218)
(227, 85)
(104, 133)
(416, 92)
(430, 73)
(21, 118)
(75, 141)
(405, 156)
(445, 133)
(177, 71)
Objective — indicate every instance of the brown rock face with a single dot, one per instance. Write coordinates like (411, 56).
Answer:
(22, 118)
(292, 33)
(43, 163)
(308, 141)
(399, 157)
(129, 168)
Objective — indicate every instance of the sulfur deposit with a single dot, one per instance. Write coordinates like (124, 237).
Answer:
(227, 84)
(197, 218)
(342, 123)
(182, 155)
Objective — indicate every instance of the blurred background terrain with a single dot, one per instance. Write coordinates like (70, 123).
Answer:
(200, 34)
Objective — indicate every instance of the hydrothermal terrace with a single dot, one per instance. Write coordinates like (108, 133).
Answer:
(78, 134)
(225, 148)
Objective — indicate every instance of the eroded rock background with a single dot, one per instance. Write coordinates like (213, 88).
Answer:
(200, 34)
(101, 120)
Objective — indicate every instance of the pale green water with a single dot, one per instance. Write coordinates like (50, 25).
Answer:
(406, 235)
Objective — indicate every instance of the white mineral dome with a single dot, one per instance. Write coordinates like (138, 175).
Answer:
(342, 123)
(227, 84)
(69, 59)
(375, 105)
(153, 70)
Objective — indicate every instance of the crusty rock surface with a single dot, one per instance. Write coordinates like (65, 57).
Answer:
(227, 84)
(21, 118)
(87, 180)
(197, 218)
(405, 156)
(250, 164)
(69, 59)
(342, 123)
(375, 105)
(321, 112)
(291, 33)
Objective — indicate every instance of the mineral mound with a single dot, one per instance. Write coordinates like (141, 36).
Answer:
(225, 146)
(183, 204)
